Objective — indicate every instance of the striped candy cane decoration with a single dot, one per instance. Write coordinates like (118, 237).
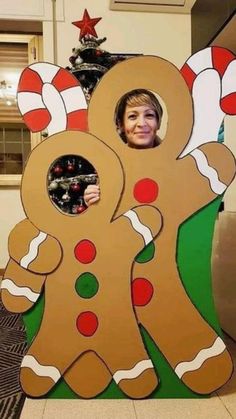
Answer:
(51, 97)
(211, 77)
(216, 58)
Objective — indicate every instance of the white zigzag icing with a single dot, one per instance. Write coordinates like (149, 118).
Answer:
(216, 349)
(33, 250)
(29, 361)
(139, 227)
(217, 186)
(12, 288)
(133, 372)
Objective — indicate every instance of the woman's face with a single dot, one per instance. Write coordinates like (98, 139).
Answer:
(140, 125)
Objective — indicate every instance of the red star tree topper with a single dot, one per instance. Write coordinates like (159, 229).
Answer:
(86, 25)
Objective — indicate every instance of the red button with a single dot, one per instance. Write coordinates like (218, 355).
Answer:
(142, 292)
(87, 323)
(145, 191)
(85, 251)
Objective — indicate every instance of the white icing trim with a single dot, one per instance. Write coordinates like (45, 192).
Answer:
(33, 249)
(29, 361)
(217, 186)
(139, 227)
(216, 349)
(13, 289)
(133, 372)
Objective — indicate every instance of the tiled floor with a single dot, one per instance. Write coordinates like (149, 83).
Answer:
(220, 406)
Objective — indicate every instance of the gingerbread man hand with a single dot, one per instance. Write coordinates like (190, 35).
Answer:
(28, 265)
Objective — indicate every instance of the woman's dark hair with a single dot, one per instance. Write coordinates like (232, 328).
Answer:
(137, 97)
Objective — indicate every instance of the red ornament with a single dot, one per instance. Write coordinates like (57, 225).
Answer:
(75, 187)
(70, 167)
(86, 25)
(98, 52)
(57, 170)
(80, 208)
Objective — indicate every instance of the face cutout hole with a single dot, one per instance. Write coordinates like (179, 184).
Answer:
(67, 179)
(141, 119)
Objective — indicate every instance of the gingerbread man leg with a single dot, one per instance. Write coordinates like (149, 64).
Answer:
(88, 376)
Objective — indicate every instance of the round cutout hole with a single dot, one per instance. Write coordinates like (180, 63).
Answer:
(68, 177)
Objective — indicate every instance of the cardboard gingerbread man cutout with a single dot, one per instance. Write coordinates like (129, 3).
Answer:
(77, 253)
(203, 364)
(178, 187)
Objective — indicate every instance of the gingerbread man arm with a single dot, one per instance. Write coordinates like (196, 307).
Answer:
(20, 288)
(146, 221)
(211, 169)
(34, 250)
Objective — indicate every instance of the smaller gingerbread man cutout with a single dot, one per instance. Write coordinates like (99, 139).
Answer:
(89, 251)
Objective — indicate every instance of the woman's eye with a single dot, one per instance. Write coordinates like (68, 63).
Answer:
(150, 115)
(131, 116)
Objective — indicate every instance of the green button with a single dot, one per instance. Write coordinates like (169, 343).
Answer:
(87, 285)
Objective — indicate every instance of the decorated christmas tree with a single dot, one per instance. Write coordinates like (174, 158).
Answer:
(70, 175)
(88, 60)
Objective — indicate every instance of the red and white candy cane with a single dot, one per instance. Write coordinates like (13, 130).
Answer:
(50, 97)
(211, 77)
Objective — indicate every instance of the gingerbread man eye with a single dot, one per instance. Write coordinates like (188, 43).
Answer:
(68, 177)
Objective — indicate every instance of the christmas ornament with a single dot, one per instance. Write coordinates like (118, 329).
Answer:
(53, 185)
(98, 52)
(70, 167)
(66, 197)
(86, 25)
(78, 60)
(75, 187)
(79, 209)
(74, 209)
(57, 170)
